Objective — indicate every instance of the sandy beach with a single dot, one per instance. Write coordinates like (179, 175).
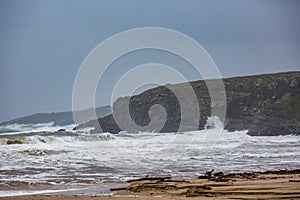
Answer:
(260, 185)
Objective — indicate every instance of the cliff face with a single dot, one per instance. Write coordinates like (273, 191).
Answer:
(263, 104)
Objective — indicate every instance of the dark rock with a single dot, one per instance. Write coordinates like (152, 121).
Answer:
(147, 178)
(202, 177)
(209, 173)
(219, 174)
(262, 104)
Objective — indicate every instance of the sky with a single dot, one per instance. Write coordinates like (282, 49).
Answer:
(43, 43)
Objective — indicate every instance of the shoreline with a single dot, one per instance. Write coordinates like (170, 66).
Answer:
(248, 185)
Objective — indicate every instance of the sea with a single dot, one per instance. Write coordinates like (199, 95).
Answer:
(43, 158)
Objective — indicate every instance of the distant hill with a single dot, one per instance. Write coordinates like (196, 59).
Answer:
(58, 118)
(266, 104)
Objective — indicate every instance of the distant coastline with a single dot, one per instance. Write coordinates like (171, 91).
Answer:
(57, 118)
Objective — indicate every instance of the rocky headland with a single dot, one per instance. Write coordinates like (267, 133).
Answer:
(264, 105)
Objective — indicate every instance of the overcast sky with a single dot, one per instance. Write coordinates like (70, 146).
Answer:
(43, 43)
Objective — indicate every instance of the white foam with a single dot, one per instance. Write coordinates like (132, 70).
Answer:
(137, 154)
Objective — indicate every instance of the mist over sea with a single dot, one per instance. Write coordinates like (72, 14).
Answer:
(38, 157)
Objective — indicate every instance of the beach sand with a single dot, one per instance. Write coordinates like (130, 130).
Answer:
(266, 185)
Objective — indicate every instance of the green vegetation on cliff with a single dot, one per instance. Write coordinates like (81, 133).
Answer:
(266, 104)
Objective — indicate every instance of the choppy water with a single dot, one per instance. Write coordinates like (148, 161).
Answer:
(50, 160)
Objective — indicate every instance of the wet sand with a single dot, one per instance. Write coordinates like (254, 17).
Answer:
(266, 185)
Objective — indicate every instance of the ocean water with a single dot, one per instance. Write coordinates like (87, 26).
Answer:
(48, 160)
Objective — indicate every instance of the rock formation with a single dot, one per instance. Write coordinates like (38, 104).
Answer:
(266, 104)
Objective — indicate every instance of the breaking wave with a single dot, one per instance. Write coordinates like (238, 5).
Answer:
(47, 154)
(69, 137)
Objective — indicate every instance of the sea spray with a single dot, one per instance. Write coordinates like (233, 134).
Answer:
(214, 123)
(74, 159)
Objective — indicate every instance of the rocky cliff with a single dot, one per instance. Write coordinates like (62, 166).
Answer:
(266, 104)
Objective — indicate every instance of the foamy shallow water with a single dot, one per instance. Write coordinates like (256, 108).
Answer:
(68, 160)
